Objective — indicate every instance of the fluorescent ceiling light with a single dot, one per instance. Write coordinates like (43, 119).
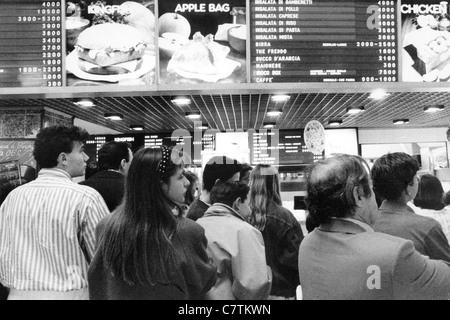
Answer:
(114, 116)
(335, 123)
(193, 115)
(84, 103)
(378, 94)
(355, 110)
(269, 125)
(274, 113)
(137, 128)
(280, 98)
(433, 109)
(181, 100)
(401, 121)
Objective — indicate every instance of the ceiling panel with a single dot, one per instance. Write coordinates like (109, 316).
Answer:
(247, 111)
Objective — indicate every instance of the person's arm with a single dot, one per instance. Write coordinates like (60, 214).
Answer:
(252, 278)
(436, 244)
(416, 277)
(199, 270)
(94, 211)
(288, 246)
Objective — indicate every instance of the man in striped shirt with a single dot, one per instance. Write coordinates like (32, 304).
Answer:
(47, 227)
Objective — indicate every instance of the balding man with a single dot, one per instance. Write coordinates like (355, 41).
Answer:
(344, 258)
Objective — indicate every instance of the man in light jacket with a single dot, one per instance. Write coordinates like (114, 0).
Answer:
(236, 247)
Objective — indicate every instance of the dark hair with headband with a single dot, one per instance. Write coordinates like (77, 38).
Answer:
(136, 245)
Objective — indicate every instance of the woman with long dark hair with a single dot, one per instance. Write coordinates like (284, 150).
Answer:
(281, 231)
(146, 249)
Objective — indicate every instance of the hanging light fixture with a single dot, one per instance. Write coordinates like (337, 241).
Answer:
(434, 108)
(274, 113)
(84, 103)
(181, 100)
(269, 125)
(193, 115)
(355, 110)
(335, 123)
(136, 127)
(280, 97)
(401, 121)
(114, 116)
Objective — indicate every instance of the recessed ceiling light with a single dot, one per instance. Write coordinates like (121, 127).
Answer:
(269, 125)
(280, 98)
(202, 126)
(193, 115)
(401, 121)
(355, 110)
(137, 128)
(84, 103)
(181, 100)
(335, 123)
(378, 94)
(114, 116)
(274, 113)
(433, 109)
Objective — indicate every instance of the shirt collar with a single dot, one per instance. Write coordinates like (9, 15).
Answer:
(389, 207)
(346, 225)
(54, 173)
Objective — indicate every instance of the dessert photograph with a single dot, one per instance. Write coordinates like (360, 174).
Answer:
(425, 41)
(110, 42)
(202, 42)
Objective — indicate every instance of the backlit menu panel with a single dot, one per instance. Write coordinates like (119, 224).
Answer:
(31, 38)
(324, 41)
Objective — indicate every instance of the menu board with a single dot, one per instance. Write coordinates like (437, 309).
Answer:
(425, 41)
(31, 38)
(275, 147)
(202, 42)
(324, 41)
(17, 150)
(10, 173)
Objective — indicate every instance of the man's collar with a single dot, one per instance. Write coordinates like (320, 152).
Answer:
(55, 172)
(346, 225)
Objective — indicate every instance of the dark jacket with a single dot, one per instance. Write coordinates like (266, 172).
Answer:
(426, 233)
(194, 276)
(282, 237)
(110, 184)
(197, 209)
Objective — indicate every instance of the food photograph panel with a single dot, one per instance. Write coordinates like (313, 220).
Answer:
(425, 41)
(110, 42)
(202, 42)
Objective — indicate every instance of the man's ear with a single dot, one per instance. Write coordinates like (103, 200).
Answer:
(62, 158)
(236, 204)
(123, 164)
(357, 196)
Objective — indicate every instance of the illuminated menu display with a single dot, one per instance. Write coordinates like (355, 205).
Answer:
(324, 41)
(277, 147)
(31, 37)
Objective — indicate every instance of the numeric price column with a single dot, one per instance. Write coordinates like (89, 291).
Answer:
(50, 14)
(387, 41)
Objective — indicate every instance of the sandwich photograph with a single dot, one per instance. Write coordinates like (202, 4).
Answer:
(110, 42)
(202, 41)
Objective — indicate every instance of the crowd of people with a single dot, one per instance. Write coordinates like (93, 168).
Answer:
(142, 226)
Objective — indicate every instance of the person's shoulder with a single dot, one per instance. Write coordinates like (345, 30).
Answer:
(188, 227)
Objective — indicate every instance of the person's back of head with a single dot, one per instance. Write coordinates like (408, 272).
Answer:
(430, 193)
(220, 168)
(446, 198)
(331, 184)
(264, 189)
(392, 174)
(52, 141)
(229, 192)
(245, 173)
(111, 155)
(140, 229)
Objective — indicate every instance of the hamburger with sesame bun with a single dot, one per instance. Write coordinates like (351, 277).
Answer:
(110, 48)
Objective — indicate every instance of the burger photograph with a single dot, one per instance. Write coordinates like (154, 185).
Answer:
(202, 41)
(110, 42)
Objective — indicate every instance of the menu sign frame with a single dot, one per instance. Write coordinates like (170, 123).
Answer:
(314, 77)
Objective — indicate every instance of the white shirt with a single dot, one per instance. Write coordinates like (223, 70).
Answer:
(441, 216)
(39, 221)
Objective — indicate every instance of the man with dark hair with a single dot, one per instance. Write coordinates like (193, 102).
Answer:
(236, 247)
(218, 168)
(395, 180)
(344, 258)
(114, 159)
(47, 226)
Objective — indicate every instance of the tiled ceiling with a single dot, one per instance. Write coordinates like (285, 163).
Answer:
(246, 111)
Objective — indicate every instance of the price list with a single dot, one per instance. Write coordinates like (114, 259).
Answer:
(324, 41)
(31, 38)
